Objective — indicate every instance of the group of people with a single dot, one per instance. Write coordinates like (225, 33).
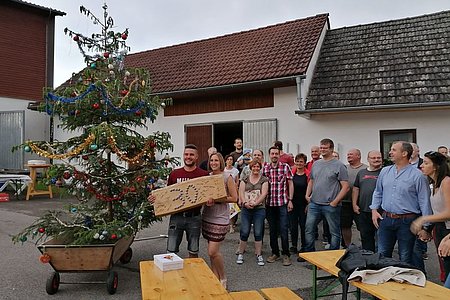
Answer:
(400, 203)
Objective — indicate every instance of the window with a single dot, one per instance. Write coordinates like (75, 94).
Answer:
(387, 137)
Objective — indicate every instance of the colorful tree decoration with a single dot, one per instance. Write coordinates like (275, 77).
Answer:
(107, 166)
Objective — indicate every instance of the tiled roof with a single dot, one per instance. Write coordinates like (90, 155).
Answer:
(396, 62)
(39, 7)
(271, 52)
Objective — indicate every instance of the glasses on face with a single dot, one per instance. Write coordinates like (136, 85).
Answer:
(375, 157)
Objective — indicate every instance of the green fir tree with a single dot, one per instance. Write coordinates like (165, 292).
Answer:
(109, 167)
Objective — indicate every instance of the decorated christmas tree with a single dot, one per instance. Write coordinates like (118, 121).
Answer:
(107, 164)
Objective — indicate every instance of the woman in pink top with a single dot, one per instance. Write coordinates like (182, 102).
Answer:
(216, 218)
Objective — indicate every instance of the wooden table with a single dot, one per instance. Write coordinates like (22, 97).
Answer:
(195, 281)
(31, 191)
(326, 260)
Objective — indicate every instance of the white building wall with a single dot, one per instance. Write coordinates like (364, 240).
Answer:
(298, 134)
(37, 125)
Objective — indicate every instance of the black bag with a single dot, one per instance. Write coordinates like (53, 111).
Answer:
(355, 258)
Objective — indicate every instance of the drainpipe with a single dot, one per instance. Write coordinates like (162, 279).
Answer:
(300, 100)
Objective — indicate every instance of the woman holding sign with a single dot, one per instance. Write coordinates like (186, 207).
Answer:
(216, 218)
(252, 197)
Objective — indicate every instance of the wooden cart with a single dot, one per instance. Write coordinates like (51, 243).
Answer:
(87, 258)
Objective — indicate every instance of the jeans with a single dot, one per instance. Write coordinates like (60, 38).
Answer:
(333, 217)
(447, 282)
(367, 231)
(420, 248)
(255, 216)
(297, 217)
(178, 224)
(277, 216)
(391, 231)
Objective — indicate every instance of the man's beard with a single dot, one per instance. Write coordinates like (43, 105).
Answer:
(190, 164)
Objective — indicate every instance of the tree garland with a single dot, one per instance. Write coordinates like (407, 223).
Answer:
(49, 97)
(71, 153)
(135, 159)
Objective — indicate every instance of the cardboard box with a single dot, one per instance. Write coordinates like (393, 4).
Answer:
(167, 262)
(4, 197)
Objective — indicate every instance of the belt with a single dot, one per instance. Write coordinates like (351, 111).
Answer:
(398, 216)
(189, 213)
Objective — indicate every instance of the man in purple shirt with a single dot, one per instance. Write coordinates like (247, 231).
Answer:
(403, 193)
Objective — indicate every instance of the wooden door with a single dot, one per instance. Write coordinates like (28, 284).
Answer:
(202, 137)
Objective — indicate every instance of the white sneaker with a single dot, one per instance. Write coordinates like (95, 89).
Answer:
(327, 246)
(240, 259)
(260, 260)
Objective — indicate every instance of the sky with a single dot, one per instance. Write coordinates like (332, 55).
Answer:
(158, 23)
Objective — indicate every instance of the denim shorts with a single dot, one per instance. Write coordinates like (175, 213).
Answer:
(178, 224)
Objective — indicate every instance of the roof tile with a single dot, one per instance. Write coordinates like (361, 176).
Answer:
(275, 51)
(395, 62)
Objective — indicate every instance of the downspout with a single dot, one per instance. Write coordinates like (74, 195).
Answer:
(300, 100)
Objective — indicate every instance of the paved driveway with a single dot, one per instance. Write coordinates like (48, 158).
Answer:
(22, 276)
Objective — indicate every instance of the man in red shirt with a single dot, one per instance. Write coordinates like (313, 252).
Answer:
(284, 157)
(189, 221)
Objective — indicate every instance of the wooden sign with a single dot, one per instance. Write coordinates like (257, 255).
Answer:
(188, 194)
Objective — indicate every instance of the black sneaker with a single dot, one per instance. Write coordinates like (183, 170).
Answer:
(301, 259)
(293, 250)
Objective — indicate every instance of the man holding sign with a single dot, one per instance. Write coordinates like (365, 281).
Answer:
(189, 221)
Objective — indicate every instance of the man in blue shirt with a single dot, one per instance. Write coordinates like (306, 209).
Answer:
(403, 193)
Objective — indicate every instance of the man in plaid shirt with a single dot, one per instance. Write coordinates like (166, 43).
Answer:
(279, 202)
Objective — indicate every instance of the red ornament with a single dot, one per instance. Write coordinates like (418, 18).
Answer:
(45, 258)
(85, 157)
(138, 113)
(123, 92)
(106, 54)
(73, 94)
(132, 189)
(113, 236)
(41, 230)
(76, 38)
(67, 175)
(152, 144)
(95, 106)
(124, 36)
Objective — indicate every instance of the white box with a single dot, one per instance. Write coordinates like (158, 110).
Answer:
(167, 262)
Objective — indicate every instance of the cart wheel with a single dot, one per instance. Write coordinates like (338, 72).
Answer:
(52, 285)
(112, 282)
(126, 257)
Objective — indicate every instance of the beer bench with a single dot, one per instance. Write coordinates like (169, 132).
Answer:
(277, 293)
(326, 260)
(194, 281)
(17, 181)
(246, 295)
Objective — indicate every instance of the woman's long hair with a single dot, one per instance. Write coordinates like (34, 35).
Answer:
(440, 163)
